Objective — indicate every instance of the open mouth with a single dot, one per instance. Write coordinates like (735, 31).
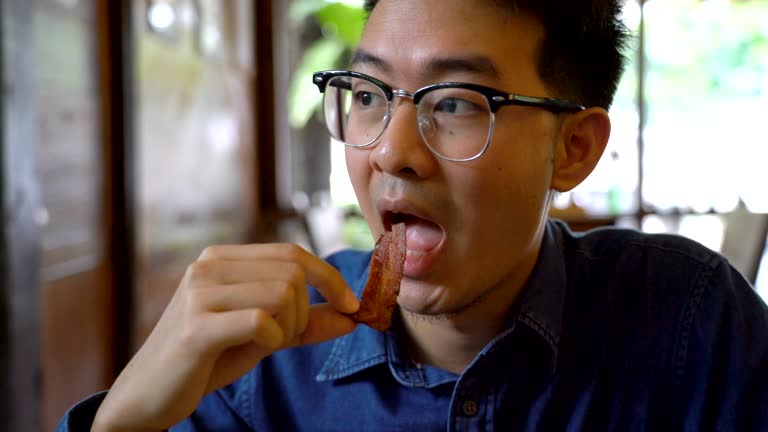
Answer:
(422, 235)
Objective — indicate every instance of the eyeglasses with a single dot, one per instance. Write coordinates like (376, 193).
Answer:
(455, 120)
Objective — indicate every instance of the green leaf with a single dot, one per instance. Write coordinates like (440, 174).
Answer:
(304, 98)
(343, 20)
(356, 233)
(301, 9)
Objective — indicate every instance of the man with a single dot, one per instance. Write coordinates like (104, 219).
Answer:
(506, 321)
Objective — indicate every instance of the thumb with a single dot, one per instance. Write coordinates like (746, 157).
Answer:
(325, 323)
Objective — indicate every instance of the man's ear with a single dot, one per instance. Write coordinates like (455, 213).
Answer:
(580, 144)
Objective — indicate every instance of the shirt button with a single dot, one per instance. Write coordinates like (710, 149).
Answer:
(469, 408)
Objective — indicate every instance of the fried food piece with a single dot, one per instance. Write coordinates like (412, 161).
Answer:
(380, 293)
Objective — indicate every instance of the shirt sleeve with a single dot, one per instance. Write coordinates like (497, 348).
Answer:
(215, 413)
(724, 355)
(80, 417)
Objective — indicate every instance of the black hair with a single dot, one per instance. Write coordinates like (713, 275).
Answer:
(582, 54)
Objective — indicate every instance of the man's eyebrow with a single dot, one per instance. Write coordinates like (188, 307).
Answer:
(477, 64)
(366, 58)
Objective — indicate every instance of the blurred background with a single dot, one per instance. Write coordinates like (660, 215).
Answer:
(135, 133)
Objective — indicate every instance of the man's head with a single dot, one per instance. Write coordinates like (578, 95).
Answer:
(581, 56)
(474, 227)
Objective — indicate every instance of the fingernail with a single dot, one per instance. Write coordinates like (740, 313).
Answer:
(351, 302)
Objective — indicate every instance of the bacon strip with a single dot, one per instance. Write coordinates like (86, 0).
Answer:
(380, 293)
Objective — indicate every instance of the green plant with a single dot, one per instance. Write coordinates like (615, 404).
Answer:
(341, 24)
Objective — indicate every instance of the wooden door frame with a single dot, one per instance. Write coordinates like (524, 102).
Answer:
(267, 212)
(115, 52)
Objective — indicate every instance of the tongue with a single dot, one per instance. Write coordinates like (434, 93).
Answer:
(422, 235)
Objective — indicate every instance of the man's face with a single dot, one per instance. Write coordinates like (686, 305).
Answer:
(475, 226)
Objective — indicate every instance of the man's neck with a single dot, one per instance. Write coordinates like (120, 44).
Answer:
(453, 341)
(439, 342)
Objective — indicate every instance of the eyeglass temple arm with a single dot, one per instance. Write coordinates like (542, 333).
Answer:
(555, 105)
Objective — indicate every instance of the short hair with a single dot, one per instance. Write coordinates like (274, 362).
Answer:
(582, 54)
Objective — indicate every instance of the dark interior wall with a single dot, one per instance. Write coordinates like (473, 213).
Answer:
(20, 233)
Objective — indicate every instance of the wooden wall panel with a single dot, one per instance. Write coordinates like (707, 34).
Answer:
(76, 356)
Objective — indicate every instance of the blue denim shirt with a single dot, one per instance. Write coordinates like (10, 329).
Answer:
(615, 330)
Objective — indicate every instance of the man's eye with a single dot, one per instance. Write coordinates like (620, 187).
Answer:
(367, 99)
(456, 106)
(364, 98)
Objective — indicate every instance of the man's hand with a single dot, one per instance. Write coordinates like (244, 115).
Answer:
(234, 306)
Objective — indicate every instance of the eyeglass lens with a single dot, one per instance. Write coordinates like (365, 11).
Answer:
(454, 122)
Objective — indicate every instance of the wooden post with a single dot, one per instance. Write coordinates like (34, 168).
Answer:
(117, 84)
(19, 238)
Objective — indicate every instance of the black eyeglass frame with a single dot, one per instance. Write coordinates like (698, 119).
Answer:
(496, 99)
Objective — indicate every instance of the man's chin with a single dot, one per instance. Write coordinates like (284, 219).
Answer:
(432, 302)
(426, 317)
(432, 309)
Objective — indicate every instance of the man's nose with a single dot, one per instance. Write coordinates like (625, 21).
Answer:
(401, 149)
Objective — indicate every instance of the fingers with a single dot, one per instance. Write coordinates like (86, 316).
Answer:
(282, 300)
(262, 333)
(317, 272)
(302, 310)
(286, 319)
(272, 296)
(227, 329)
(257, 295)
(271, 278)
(325, 323)
(227, 272)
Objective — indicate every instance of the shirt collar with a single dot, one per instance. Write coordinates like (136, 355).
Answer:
(540, 307)
(543, 300)
(359, 350)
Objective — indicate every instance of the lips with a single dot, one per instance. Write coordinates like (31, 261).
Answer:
(424, 237)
